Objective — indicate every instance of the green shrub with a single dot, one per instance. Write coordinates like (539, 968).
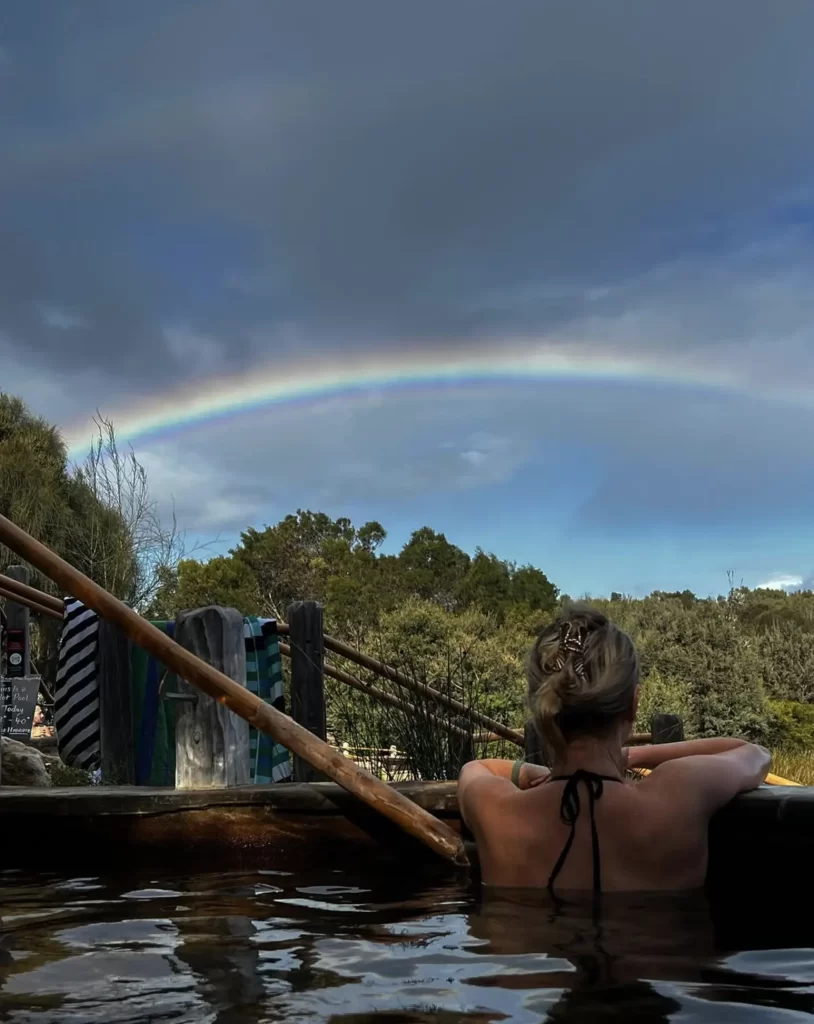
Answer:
(790, 725)
(661, 694)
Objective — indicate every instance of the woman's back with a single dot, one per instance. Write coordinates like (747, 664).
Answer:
(582, 826)
(642, 843)
(598, 831)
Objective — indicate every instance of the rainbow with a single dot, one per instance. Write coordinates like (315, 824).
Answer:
(358, 375)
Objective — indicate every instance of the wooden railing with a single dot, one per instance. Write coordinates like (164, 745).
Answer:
(306, 645)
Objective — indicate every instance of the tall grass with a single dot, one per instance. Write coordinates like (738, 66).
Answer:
(428, 748)
(794, 765)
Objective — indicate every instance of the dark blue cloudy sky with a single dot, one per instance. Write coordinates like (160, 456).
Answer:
(190, 190)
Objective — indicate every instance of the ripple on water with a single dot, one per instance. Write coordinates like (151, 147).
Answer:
(276, 946)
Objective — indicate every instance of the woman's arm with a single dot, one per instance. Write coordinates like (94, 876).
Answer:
(530, 774)
(708, 778)
(652, 755)
(492, 779)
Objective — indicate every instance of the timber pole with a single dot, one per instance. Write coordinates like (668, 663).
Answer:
(414, 820)
(394, 702)
(19, 589)
(387, 672)
(27, 602)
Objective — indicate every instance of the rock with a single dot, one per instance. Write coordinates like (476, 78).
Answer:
(21, 765)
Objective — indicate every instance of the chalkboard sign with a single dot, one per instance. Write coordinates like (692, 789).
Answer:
(18, 698)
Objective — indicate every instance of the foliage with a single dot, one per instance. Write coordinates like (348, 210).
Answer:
(98, 516)
(36, 490)
(658, 694)
(466, 657)
(741, 663)
(309, 556)
(127, 547)
(796, 766)
(222, 580)
(791, 725)
(715, 661)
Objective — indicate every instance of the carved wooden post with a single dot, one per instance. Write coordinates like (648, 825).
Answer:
(307, 677)
(18, 647)
(115, 705)
(666, 729)
(211, 743)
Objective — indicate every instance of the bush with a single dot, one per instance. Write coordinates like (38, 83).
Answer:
(662, 694)
(790, 725)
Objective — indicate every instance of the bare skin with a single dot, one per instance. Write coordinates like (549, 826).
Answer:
(652, 833)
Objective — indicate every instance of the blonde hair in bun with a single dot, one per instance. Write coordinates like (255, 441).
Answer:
(582, 675)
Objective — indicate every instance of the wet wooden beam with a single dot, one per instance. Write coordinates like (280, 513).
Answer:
(320, 825)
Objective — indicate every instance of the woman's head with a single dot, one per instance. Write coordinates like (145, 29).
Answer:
(583, 675)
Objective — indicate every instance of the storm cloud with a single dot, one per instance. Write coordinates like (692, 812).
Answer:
(193, 188)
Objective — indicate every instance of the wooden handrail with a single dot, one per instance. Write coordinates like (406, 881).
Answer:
(45, 604)
(394, 675)
(382, 696)
(386, 671)
(436, 834)
(24, 594)
(27, 602)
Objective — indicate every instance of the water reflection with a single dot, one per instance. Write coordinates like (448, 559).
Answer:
(268, 947)
(611, 967)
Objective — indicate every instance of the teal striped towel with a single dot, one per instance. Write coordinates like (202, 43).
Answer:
(269, 761)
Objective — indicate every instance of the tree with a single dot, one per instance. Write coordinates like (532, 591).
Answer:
(295, 559)
(432, 568)
(222, 580)
(62, 509)
(36, 492)
(128, 548)
(531, 587)
(487, 584)
(727, 695)
(371, 536)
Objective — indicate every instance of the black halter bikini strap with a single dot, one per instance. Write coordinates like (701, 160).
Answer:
(570, 807)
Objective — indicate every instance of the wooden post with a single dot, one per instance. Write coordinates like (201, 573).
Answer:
(307, 678)
(211, 743)
(18, 646)
(666, 729)
(382, 799)
(115, 705)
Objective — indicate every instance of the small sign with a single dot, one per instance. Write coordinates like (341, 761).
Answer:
(15, 652)
(18, 698)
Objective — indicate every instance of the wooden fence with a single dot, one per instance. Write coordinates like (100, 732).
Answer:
(309, 648)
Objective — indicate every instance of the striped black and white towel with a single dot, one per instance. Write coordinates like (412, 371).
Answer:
(76, 701)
